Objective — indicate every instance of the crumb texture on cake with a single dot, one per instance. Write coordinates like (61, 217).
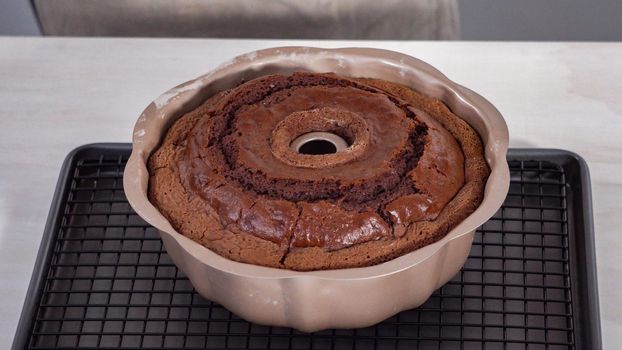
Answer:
(226, 176)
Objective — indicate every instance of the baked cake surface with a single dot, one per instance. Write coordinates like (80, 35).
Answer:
(226, 176)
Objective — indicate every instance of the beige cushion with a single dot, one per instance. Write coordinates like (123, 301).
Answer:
(303, 19)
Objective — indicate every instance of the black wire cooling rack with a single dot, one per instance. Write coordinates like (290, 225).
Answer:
(104, 281)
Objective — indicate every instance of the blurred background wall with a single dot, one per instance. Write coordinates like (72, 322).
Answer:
(17, 18)
(579, 20)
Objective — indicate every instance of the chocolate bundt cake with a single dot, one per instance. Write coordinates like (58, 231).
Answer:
(399, 173)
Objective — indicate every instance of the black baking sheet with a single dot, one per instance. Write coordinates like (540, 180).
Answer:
(103, 280)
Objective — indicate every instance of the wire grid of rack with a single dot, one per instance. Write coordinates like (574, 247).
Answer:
(108, 282)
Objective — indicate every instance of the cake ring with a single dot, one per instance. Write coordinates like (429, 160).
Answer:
(314, 171)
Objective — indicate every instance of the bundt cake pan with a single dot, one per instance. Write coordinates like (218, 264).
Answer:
(345, 298)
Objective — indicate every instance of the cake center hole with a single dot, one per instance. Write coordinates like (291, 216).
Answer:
(317, 147)
(319, 143)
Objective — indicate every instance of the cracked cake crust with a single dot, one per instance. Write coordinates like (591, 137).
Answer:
(224, 176)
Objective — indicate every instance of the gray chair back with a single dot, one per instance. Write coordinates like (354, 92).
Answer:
(286, 19)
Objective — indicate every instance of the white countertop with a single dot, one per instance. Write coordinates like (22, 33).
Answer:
(56, 94)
